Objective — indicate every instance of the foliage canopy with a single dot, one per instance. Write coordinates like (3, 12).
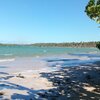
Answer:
(93, 10)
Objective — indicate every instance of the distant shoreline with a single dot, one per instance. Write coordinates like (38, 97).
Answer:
(65, 44)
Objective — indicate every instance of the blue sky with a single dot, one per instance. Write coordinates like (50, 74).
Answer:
(31, 21)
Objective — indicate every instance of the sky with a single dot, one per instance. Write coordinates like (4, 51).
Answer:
(35, 21)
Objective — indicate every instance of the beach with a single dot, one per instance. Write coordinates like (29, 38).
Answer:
(55, 77)
(49, 50)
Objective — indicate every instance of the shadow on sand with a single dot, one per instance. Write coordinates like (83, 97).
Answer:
(73, 83)
(26, 93)
(31, 94)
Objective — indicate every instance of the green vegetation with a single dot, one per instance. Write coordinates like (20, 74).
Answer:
(72, 44)
(93, 10)
(67, 44)
(98, 45)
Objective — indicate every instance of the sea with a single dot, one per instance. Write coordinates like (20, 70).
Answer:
(21, 57)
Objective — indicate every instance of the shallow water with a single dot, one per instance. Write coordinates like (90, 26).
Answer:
(20, 58)
(31, 51)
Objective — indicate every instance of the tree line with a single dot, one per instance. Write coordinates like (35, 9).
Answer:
(71, 44)
(66, 44)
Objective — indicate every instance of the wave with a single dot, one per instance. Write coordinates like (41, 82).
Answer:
(7, 60)
(93, 52)
(8, 54)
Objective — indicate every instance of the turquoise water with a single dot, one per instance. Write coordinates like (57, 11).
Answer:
(31, 51)
(19, 58)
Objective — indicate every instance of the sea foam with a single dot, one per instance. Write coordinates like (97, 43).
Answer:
(7, 60)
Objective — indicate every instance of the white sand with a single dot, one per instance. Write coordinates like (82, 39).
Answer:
(26, 81)
(32, 82)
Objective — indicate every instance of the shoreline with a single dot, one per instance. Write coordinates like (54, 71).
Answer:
(49, 78)
(52, 62)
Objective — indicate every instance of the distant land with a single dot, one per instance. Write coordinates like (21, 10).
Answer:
(65, 44)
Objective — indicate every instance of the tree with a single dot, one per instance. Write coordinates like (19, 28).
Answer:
(93, 10)
(98, 45)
